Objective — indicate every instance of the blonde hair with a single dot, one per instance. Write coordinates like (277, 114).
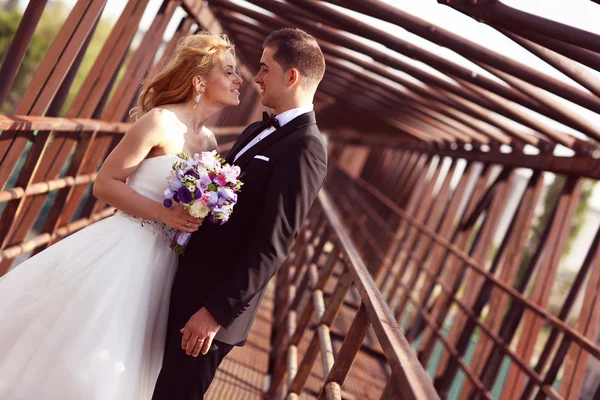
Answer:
(195, 55)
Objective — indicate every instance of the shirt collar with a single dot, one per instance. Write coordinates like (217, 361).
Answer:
(289, 115)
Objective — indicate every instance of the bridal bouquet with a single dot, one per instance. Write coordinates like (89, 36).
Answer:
(206, 186)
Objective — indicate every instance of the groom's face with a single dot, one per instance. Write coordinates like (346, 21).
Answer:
(271, 79)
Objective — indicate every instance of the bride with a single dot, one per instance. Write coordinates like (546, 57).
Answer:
(86, 318)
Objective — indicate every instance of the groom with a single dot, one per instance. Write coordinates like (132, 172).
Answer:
(222, 277)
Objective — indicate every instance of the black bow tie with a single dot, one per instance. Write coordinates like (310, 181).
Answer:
(270, 120)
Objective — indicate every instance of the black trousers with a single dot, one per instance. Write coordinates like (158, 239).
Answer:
(184, 377)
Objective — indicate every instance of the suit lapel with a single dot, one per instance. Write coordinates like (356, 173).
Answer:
(245, 137)
(295, 124)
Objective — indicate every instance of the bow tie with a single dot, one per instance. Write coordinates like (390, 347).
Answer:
(270, 120)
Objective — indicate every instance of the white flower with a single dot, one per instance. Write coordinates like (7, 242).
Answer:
(198, 210)
(202, 172)
(231, 173)
(228, 209)
(209, 160)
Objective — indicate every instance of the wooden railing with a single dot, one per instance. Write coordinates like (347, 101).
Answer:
(48, 163)
(324, 258)
(431, 225)
(64, 168)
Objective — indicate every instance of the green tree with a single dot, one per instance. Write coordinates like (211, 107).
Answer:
(98, 39)
(50, 23)
(47, 29)
(550, 201)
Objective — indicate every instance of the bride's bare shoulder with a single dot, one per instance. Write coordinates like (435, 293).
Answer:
(210, 141)
(207, 132)
(158, 123)
(160, 118)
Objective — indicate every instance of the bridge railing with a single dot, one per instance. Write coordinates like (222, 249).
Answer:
(47, 194)
(50, 152)
(314, 286)
(470, 267)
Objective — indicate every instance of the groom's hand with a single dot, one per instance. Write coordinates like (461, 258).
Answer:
(199, 333)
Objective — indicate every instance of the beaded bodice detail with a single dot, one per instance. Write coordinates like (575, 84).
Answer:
(150, 180)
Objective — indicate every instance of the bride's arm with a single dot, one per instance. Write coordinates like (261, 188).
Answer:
(144, 135)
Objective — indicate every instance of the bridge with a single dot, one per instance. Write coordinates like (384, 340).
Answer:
(430, 264)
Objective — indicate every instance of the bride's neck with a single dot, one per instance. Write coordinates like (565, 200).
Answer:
(195, 118)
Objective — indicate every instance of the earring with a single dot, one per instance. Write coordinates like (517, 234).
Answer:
(197, 99)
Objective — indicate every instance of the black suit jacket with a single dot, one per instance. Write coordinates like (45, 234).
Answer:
(227, 267)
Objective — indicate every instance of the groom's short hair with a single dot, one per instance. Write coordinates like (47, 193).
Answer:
(295, 48)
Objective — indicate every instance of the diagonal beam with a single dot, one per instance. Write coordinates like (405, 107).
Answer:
(562, 63)
(473, 127)
(443, 65)
(464, 47)
(499, 14)
(341, 87)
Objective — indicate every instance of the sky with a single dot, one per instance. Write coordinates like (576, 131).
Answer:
(583, 14)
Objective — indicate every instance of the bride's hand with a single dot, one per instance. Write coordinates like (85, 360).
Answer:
(178, 217)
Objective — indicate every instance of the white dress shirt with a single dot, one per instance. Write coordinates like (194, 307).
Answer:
(283, 119)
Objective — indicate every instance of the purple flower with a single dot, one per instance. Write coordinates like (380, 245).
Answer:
(169, 193)
(176, 184)
(197, 194)
(185, 196)
(183, 238)
(226, 193)
(168, 203)
(203, 183)
(213, 199)
(176, 198)
(193, 173)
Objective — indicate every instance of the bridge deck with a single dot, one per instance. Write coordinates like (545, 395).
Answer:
(242, 374)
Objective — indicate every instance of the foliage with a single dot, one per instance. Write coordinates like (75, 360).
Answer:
(550, 202)
(50, 23)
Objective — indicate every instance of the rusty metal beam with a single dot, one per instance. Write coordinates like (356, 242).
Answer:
(583, 125)
(386, 102)
(412, 380)
(585, 57)
(577, 165)
(18, 46)
(340, 88)
(47, 92)
(423, 91)
(10, 253)
(560, 62)
(462, 46)
(34, 123)
(335, 37)
(377, 110)
(500, 14)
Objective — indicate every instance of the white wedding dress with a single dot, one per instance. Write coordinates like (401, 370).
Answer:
(86, 318)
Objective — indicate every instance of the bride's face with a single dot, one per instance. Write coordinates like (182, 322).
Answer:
(223, 86)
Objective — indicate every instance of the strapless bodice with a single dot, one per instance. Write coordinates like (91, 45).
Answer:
(150, 179)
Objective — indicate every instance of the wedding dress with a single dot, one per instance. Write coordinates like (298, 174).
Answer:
(86, 318)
